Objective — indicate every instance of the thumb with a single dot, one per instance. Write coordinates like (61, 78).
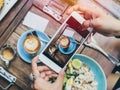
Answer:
(86, 24)
(59, 81)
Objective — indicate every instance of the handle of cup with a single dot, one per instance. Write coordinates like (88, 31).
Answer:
(7, 63)
(6, 45)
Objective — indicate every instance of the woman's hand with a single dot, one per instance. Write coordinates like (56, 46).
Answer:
(42, 74)
(101, 21)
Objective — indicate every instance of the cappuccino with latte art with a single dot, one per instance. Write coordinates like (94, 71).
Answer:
(32, 44)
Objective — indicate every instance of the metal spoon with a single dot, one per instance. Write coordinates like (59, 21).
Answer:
(35, 34)
(75, 42)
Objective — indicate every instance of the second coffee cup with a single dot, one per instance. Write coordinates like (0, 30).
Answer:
(64, 42)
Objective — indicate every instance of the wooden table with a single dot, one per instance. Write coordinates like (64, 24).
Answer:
(15, 29)
(13, 18)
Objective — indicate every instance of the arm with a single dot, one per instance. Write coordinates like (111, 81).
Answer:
(102, 22)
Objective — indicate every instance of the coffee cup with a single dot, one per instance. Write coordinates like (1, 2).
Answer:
(64, 42)
(32, 44)
(52, 49)
(7, 54)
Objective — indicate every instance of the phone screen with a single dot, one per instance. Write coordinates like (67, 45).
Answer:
(62, 47)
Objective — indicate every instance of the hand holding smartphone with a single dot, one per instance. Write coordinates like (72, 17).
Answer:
(61, 48)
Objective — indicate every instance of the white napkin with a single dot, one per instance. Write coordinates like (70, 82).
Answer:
(35, 21)
(68, 32)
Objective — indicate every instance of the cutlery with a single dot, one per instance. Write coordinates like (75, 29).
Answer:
(75, 42)
(93, 44)
(46, 41)
(34, 33)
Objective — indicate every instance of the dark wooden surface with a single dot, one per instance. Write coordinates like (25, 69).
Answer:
(22, 70)
(13, 18)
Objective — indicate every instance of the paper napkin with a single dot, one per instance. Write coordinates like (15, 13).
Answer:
(35, 21)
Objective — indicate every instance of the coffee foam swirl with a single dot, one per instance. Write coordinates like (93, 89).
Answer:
(64, 42)
(32, 44)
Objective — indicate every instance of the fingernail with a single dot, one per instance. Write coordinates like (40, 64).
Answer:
(83, 29)
(63, 72)
(69, 11)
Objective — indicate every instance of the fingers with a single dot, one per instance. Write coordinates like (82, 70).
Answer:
(59, 81)
(61, 75)
(42, 75)
(43, 68)
(89, 12)
(34, 66)
(53, 75)
(73, 8)
(86, 24)
(32, 86)
(48, 74)
(77, 8)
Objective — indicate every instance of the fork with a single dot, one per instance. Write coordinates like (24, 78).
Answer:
(35, 34)
(93, 44)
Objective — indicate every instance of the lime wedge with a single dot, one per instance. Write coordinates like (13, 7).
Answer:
(70, 81)
(76, 63)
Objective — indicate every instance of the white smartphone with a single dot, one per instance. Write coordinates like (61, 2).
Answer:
(56, 56)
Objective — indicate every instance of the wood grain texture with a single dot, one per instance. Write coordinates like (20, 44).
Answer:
(9, 23)
(11, 15)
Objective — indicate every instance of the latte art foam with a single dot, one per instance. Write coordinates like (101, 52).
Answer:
(64, 42)
(32, 44)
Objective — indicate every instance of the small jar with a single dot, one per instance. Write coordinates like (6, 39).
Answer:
(7, 54)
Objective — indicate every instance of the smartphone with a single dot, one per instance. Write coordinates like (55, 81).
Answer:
(57, 56)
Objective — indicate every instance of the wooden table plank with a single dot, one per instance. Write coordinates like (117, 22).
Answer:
(12, 25)
(11, 15)
(14, 87)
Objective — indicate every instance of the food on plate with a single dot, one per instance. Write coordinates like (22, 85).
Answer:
(76, 63)
(79, 76)
(1, 4)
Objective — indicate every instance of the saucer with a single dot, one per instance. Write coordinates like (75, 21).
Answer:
(20, 49)
(71, 47)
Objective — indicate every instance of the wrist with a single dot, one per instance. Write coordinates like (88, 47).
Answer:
(116, 28)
